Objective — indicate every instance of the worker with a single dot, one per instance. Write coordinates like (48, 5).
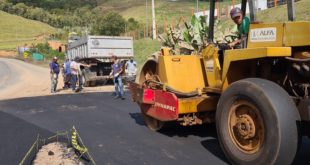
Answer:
(117, 70)
(131, 69)
(54, 72)
(243, 24)
(76, 74)
(67, 74)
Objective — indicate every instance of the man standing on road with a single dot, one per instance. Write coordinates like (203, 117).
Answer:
(67, 72)
(116, 72)
(54, 71)
(76, 74)
(131, 69)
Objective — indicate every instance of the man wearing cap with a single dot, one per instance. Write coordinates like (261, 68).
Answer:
(243, 24)
(54, 71)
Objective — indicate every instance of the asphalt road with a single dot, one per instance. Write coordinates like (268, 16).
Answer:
(21, 79)
(6, 74)
(113, 130)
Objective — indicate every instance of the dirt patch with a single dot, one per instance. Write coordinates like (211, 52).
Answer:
(21, 79)
(4, 53)
(57, 154)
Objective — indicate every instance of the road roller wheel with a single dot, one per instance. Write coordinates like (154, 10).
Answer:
(151, 123)
(257, 123)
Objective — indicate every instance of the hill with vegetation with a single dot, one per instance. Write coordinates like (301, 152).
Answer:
(279, 14)
(165, 9)
(18, 31)
(129, 17)
(174, 8)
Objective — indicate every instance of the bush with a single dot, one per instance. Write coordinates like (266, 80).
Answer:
(47, 51)
(111, 24)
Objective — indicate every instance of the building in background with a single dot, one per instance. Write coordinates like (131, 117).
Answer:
(58, 46)
(271, 3)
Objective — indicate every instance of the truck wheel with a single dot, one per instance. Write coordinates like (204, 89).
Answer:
(257, 123)
(86, 83)
(93, 83)
(151, 123)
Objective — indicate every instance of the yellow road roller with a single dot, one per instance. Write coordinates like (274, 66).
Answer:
(258, 95)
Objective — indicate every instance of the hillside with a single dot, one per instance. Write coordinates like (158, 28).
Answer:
(279, 14)
(17, 31)
(173, 9)
(165, 9)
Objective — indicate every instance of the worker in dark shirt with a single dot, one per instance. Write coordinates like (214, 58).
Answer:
(243, 24)
(117, 70)
(54, 71)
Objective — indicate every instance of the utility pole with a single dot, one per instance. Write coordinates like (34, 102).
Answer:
(291, 10)
(197, 7)
(153, 17)
(147, 21)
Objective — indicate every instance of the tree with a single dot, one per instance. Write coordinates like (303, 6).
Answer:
(132, 24)
(111, 24)
(20, 9)
(57, 4)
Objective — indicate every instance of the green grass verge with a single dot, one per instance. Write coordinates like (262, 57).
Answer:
(165, 9)
(144, 48)
(279, 14)
(18, 31)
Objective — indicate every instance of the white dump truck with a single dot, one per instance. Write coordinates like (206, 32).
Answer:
(97, 51)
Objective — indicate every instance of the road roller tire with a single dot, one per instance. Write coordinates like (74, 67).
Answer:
(257, 123)
(150, 122)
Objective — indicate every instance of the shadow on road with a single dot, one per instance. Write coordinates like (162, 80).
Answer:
(16, 138)
(213, 146)
(204, 131)
(174, 129)
(302, 157)
(138, 118)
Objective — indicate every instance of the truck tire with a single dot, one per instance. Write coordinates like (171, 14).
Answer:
(93, 83)
(257, 123)
(86, 82)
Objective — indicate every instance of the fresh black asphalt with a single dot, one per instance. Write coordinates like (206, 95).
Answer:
(113, 130)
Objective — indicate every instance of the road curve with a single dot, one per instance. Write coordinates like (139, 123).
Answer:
(21, 79)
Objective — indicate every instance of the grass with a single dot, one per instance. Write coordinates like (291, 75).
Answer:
(144, 48)
(279, 14)
(18, 31)
(171, 10)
